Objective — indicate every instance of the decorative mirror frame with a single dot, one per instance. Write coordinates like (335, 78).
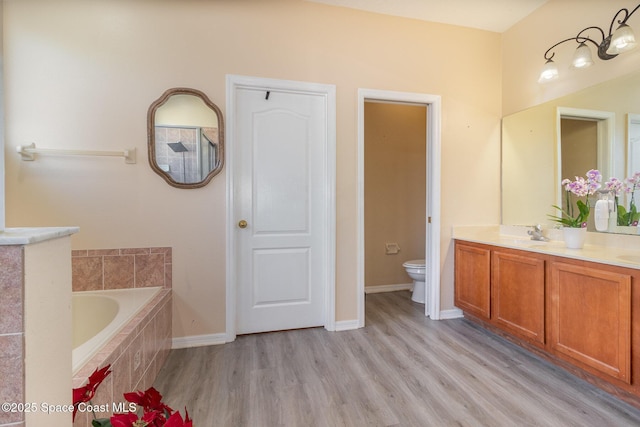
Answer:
(151, 139)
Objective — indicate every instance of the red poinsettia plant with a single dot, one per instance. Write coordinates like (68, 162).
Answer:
(154, 412)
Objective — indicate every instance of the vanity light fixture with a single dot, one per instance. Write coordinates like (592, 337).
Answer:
(616, 42)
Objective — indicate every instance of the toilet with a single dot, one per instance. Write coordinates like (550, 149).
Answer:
(416, 269)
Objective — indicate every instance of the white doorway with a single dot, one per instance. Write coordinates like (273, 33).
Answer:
(432, 217)
(281, 205)
(604, 135)
(633, 143)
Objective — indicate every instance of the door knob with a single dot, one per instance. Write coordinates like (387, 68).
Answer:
(242, 223)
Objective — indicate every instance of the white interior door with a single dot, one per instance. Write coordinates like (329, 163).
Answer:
(280, 209)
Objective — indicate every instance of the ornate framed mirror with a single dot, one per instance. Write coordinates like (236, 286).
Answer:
(185, 134)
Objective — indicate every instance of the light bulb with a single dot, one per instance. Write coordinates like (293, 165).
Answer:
(622, 40)
(582, 57)
(549, 72)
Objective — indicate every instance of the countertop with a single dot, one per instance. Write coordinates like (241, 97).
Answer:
(29, 235)
(623, 251)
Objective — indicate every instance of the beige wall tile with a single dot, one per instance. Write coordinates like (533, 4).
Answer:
(12, 374)
(149, 270)
(11, 306)
(86, 273)
(119, 272)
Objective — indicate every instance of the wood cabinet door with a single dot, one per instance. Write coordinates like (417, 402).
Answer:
(591, 318)
(472, 280)
(517, 295)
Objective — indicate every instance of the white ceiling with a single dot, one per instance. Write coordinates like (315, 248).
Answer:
(491, 15)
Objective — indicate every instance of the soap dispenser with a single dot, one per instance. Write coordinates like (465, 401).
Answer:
(603, 209)
(601, 217)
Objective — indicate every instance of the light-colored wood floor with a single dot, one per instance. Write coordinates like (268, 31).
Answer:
(401, 369)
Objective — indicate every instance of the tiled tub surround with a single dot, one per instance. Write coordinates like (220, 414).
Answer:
(11, 330)
(136, 355)
(139, 350)
(100, 269)
(99, 315)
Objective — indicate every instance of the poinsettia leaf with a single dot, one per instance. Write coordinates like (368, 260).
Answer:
(78, 397)
(101, 422)
(98, 376)
(175, 420)
(136, 397)
(123, 420)
(151, 416)
(153, 395)
(78, 394)
(153, 400)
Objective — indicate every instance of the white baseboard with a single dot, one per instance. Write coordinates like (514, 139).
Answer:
(346, 325)
(388, 288)
(343, 325)
(198, 341)
(454, 313)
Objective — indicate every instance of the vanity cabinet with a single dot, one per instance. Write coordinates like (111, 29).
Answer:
(584, 316)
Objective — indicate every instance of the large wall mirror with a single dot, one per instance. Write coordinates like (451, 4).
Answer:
(538, 142)
(185, 133)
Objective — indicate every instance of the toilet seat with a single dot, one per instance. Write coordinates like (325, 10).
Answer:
(416, 263)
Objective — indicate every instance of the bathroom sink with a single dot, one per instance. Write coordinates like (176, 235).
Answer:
(630, 258)
(529, 242)
(539, 245)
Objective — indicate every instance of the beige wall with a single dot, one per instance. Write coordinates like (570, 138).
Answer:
(524, 45)
(394, 190)
(82, 74)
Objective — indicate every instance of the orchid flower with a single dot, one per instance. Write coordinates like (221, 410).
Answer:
(614, 185)
(581, 187)
(632, 216)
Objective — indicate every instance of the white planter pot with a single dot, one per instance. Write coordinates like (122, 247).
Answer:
(574, 237)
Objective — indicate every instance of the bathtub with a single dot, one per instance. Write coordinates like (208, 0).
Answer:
(98, 316)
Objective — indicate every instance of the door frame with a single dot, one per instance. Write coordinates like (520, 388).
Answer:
(632, 119)
(432, 238)
(606, 137)
(233, 84)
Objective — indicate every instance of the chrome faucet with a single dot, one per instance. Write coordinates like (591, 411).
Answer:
(536, 233)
